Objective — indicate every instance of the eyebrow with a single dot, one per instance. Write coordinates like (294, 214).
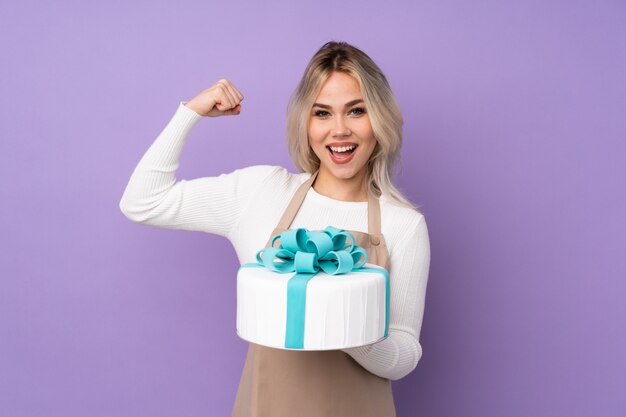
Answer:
(348, 104)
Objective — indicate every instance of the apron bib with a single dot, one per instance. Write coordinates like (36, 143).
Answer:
(289, 383)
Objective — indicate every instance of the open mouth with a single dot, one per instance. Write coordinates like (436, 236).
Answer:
(342, 152)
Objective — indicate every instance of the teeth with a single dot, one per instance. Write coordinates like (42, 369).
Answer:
(342, 148)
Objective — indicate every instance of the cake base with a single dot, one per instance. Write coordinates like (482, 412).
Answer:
(333, 311)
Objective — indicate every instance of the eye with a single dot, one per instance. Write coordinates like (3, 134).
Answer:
(321, 113)
(358, 110)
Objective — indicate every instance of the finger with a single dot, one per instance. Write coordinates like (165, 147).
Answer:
(234, 111)
(223, 98)
(236, 91)
(232, 100)
(227, 88)
(223, 108)
(223, 103)
(238, 97)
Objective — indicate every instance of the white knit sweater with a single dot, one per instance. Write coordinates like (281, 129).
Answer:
(245, 205)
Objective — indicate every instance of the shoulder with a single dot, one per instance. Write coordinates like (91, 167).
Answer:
(280, 176)
(273, 176)
(401, 217)
(402, 225)
(262, 170)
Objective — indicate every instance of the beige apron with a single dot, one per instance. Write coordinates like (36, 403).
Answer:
(291, 383)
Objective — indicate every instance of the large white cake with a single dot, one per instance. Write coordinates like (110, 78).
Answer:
(340, 311)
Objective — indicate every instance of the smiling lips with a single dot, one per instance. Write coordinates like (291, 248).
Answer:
(341, 152)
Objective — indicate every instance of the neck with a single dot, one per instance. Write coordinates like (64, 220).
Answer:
(349, 189)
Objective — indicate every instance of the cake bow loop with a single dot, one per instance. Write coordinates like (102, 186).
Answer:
(309, 251)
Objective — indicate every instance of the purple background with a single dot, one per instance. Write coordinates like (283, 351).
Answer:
(515, 147)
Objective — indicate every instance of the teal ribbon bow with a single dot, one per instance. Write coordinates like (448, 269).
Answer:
(306, 253)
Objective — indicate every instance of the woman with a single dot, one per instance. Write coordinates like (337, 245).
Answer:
(344, 135)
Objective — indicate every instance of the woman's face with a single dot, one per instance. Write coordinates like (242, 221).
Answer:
(339, 120)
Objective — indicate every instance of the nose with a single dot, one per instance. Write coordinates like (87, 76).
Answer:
(340, 128)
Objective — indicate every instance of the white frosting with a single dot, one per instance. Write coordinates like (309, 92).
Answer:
(342, 311)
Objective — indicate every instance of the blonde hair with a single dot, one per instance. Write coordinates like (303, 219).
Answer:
(381, 105)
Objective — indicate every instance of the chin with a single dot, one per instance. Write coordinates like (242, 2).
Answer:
(342, 173)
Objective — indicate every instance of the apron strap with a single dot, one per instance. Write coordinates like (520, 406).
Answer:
(373, 218)
(295, 203)
(373, 210)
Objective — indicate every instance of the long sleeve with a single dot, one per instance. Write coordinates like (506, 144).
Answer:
(397, 355)
(154, 197)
